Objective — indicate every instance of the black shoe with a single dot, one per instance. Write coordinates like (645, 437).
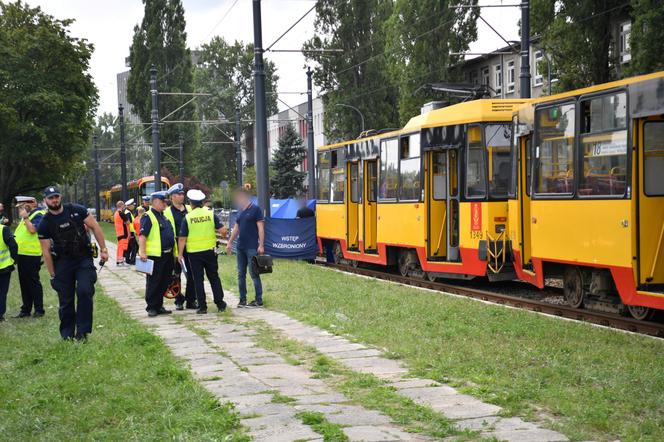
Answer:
(83, 338)
(163, 311)
(201, 311)
(222, 306)
(152, 313)
(193, 306)
(179, 307)
(38, 314)
(22, 315)
(255, 304)
(242, 304)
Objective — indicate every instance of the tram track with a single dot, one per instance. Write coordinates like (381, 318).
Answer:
(610, 320)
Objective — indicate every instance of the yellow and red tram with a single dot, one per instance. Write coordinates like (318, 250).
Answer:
(136, 189)
(588, 205)
(430, 198)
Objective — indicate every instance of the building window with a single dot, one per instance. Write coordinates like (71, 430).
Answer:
(625, 32)
(538, 75)
(510, 76)
(485, 76)
(498, 72)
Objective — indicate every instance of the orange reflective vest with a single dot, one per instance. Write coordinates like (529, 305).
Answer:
(120, 226)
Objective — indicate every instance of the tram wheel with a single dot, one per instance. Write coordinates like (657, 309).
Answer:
(337, 253)
(574, 287)
(431, 277)
(354, 263)
(407, 262)
(641, 313)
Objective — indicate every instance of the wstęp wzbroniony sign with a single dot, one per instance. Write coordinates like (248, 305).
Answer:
(291, 238)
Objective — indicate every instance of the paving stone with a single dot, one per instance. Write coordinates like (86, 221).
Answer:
(347, 414)
(250, 400)
(285, 433)
(461, 406)
(538, 435)
(352, 354)
(324, 398)
(414, 383)
(372, 433)
(477, 424)
(268, 409)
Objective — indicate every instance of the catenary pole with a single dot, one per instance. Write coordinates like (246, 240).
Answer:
(238, 147)
(524, 76)
(95, 149)
(123, 155)
(156, 150)
(260, 139)
(311, 154)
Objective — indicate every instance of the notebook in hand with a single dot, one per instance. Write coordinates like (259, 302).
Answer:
(145, 266)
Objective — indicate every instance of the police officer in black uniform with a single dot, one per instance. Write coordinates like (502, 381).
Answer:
(67, 253)
(178, 210)
(156, 241)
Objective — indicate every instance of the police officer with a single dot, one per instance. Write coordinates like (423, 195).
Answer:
(29, 256)
(69, 263)
(132, 246)
(156, 241)
(176, 212)
(8, 254)
(145, 202)
(198, 237)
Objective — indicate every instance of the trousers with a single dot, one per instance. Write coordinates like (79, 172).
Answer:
(32, 292)
(200, 264)
(74, 283)
(244, 257)
(158, 282)
(189, 296)
(5, 278)
(123, 245)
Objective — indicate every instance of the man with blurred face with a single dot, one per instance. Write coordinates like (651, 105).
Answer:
(28, 260)
(121, 232)
(65, 243)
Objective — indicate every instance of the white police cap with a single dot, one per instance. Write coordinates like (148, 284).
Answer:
(176, 188)
(24, 199)
(195, 195)
(162, 195)
(129, 202)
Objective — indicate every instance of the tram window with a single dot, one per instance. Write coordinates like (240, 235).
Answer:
(555, 142)
(372, 180)
(439, 180)
(498, 149)
(475, 165)
(337, 167)
(355, 182)
(653, 158)
(409, 178)
(389, 170)
(604, 146)
(324, 177)
(453, 172)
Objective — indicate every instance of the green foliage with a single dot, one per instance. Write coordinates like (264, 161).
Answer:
(420, 37)
(356, 27)
(161, 40)
(647, 39)
(47, 100)
(317, 421)
(226, 71)
(287, 181)
(578, 37)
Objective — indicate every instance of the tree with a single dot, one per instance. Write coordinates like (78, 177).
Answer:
(578, 37)
(647, 37)
(226, 71)
(161, 40)
(287, 181)
(420, 38)
(357, 76)
(47, 100)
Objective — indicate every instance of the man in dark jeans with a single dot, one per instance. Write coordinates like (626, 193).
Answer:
(249, 230)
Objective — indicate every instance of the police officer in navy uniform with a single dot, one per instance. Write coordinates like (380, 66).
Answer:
(67, 254)
(145, 202)
(198, 236)
(156, 241)
(177, 211)
(8, 254)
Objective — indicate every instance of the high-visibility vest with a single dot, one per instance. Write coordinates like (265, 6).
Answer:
(202, 235)
(28, 243)
(131, 220)
(120, 226)
(169, 216)
(153, 241)
(5, 256)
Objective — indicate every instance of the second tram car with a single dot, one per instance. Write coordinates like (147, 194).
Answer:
(136, 189)
(430, 198)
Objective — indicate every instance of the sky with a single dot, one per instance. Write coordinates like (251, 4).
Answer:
(109, 24)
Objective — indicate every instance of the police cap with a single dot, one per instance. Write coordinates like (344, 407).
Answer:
(130, 202)
(24, 199)
(176, 188)
(51, 191)
(162, 195)
(196, 196)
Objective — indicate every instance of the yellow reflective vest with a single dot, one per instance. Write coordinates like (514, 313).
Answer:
(5, 255)
(202, 235)
(28, 243)
(131, 220)
(153, 241)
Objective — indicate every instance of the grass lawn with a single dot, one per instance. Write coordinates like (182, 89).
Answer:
(121, 385)
(595, 383)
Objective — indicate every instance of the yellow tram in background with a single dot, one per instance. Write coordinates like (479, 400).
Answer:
(588, 205)
(430, 198)
(136, 189)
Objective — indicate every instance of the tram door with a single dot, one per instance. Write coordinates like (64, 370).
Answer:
(369, 205)
(525, 172)
(353, 207)
(443, 202)
(651, 202)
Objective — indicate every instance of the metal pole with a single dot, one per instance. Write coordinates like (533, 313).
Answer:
(123, 155)
(181, 160)
(525, 49)
(97, 189)
(311, 154)
(85, 189)
(156, 151)
(76, 192)
(238, 147)
(260, 139)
